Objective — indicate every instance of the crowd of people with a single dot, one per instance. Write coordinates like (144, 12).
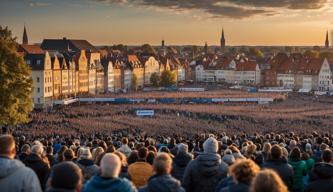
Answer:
(256, 162)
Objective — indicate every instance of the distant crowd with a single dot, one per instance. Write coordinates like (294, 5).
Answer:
(134, 162)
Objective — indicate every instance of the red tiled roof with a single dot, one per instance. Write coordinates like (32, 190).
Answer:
(31, 49)
(246, 66)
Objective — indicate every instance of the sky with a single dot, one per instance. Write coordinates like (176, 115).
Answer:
(178, 22)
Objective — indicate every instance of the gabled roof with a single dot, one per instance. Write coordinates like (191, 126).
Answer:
(30, 49)
(67, 45)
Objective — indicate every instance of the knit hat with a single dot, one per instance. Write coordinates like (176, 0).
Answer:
(228, 159)
(182, 148)
(210, 145)
(85, 153)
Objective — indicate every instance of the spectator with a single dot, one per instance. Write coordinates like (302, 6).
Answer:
(228, 157)
(65, 176)
(266, 151)
(299, 168)
(282, 168)
(122, 157)
(68, 155)
(49, 155)
(86, 163)
(204, 172)
(96, 153)
(14, 175)
(162, 181)
(150, 157)
(25, 151)
(182, 158)
(140, 171)
(36, 163)
(124, 148)
(267, 181)
(108, 179)
(242, 172)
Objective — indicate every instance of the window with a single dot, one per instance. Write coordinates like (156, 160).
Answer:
(28, 61)
(37, 79)
(38, 61)
(38, 89)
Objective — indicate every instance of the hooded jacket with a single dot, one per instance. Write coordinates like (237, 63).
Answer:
(39, 166)
(322, 178)
(99, 184)
(88, 168)
(162, 183)
(15, 176)
(203, 173)
(179, 164)
(283, 169)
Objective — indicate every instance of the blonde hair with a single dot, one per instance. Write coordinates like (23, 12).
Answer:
(97, 152)
(243, 170)
(162, 163)
(267, 147)
(267, 181)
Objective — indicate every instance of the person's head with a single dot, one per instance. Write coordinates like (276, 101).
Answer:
(122, 158)
(110, 166)
(210, 145)
(327, 156)
(84, 153)
(37, 150)
(267, 147)
(49, 150)
(292, 144)
(68, 155)
(124, 141)
(267, 181)
(7, 146)
(150, 157)
(133, 157)
(295, 154)
(65, 176)
(244, 170)
(97, 152)
(182, 148)
(143, 152)
(276, 152)
(162, 163)
(26, 149)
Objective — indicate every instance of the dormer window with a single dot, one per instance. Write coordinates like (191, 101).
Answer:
(38, 62)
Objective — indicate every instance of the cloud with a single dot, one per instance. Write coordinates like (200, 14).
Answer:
(38, 4)
(228, 8)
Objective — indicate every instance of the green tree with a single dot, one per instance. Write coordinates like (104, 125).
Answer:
(148, 49)
(154, 79)
(15, 81)
(256, 52)
(167, 79)
(134, 83)
(311, 54)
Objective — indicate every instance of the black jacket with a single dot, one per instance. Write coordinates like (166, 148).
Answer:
(203, 173)
(39, 166)
(321, 178)
(179, 164)
(162, 183)
(283, 169)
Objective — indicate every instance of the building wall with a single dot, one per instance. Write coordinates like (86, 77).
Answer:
(117, 79)
(325, 82)
(83, 75)
(127, 79)
(139, 73)
(110, 78)
(286, 80)
(100, 81)
(151, 66)
(65, 83)
(92, 80)
(199, 73)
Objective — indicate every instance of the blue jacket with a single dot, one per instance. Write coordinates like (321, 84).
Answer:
(98, 183)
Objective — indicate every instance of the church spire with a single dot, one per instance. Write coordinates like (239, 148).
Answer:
(327, 43)
(206, 48)
(25, 37)
(222, 41)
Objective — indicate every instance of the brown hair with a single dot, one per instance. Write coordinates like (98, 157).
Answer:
(244, 170)
(267, 181)
(7, 143)
(162, 162)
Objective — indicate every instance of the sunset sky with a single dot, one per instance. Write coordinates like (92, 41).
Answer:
(179, 22)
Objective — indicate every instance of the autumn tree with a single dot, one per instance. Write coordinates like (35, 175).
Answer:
(167, 79)
(15, 82)
(154, 79)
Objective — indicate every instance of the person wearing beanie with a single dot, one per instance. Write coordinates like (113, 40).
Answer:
(277, 163)
(66, 177)
(86, 163)
(228, 158)
(204, 172)
(180, 161)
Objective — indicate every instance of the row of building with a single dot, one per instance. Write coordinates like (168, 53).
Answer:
(65, 68)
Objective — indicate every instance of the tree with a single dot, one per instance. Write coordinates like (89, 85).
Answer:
(311, 54)
(256, 52)
(134, 83)
(154, 79)
(15, 81)
(167, 79)
(148, 49)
